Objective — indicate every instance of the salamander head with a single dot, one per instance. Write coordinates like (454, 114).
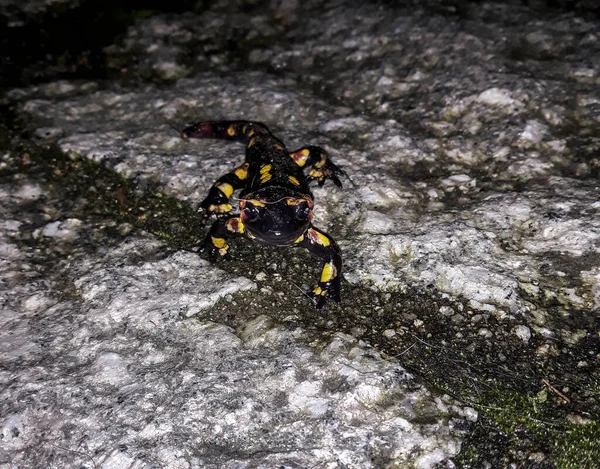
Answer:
(276, 215)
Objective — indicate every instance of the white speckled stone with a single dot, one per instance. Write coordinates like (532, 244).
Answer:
(183, 284)
(522, 332)
(497, 97)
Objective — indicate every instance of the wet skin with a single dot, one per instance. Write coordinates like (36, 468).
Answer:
(275, 204)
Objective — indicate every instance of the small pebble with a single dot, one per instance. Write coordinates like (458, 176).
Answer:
(261, 276)
(522, 332)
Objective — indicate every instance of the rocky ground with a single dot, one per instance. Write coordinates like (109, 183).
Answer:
(468, 330)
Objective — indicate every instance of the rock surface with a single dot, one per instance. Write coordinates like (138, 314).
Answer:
(127, 370)
(471, 138)
(479, 190)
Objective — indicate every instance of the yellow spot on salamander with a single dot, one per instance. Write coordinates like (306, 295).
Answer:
(218, 242)
(242, 172)
(251, 142)
(235, 225)
(300, 157)
(299, 240)
(244, 129)
(231, 130)
(317, 291)
(223, 208)
(265, 174)
(226, 189)
(315, 174)
(318, 238)
(329, 272)
(279, 147)
(294, 181)
(251, 133)
(322, 161)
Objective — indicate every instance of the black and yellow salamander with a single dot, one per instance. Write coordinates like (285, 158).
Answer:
(275, 203)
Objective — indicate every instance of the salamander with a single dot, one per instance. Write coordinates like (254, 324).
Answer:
(275, 202)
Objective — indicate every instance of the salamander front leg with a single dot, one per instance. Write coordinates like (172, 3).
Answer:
(217, 200)
(319, 163)
(321, 245)
(215, 244)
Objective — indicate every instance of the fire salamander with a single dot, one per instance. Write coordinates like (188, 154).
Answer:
(275, 205)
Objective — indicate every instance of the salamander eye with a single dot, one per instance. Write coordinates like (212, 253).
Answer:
(251, 214)
(303, 213)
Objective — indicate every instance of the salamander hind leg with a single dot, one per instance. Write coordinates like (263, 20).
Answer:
(319, 164)
(321, 245)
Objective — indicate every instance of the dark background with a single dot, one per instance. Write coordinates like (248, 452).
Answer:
(66, 40)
